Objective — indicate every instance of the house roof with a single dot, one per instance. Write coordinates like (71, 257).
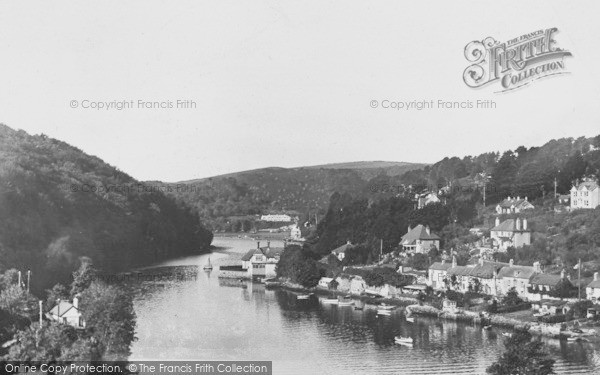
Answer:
(482, 271)
(589, 185)
(521, 272)
(418, 233)
(342, 249)
(440, 266)
(508, 225)
(269, 252)
(62, 307)
(521, 203)
(594, 284)
(545, 279)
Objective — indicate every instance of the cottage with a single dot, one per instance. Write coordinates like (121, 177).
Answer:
(325, 282)
(340, 252)
(541, 284)
(513, 205)
(437, 274)
(510, 233)
(426, 199)
(419, 239)
(592, 290)
(585, 195)
(449, 306)
(67, 313)
(549, 306)
(482, 277)
(517, 277)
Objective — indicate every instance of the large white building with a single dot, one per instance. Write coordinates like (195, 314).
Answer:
(511, 232)
(585, 194)
(280, 218)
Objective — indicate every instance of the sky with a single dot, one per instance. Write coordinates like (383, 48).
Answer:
(284, 83)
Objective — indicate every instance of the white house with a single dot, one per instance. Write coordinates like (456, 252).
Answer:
(67, 313)
(512, 205)
(585, 194)
(419, 239)
(437, 273)
(276, 218)
(592, 291)
(517, 277)
(261, 262)
(324, 282)
(427, 198)
(511, 232)
(295, 233)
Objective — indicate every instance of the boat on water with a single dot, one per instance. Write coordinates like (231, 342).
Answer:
(345, 301)
(304, 296)
(208, 266)
(332, 301)
(403, 340)
(409, 319)
(576, 339)
(384, 312)
(384, 306)
(358, 307)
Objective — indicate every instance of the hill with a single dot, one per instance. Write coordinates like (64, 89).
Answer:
(58, 204)
(302, 190)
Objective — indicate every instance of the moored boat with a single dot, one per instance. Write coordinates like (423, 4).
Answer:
(384, 312)
(332, 301)
(409, 319)
(208, 266)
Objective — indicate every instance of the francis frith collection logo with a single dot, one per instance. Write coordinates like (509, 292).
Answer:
(514, 63)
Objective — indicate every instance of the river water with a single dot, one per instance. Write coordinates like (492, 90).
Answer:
(185, 313)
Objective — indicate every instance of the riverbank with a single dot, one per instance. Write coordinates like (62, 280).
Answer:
(495, 320)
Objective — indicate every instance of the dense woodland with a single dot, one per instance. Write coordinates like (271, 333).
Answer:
(59, 205)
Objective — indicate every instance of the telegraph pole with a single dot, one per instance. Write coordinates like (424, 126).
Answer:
(380, 249)
(579, 280)
(28, 279)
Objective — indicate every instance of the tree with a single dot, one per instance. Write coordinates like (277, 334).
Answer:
(419, 261)
(512, 298)
(522, 356)
(110, 319)
(57, 292)
(83, 277)
(564, 289)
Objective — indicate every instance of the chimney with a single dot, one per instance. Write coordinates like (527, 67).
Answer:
(428, 230)
(518, 224)
(497, 221)
(409, 229)
(595, 276)
(76, 301)
(536, 267)
(563, 274)
(518, 197)
(524, 224)
(258, 244)
(511, 263)
(348, 242)
(268, 244)
(58, 307)
(526, 199)
(453, 261)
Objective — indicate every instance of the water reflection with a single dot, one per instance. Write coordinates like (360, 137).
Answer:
(186, 313)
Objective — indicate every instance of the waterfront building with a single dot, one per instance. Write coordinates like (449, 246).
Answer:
(592, 291)
(517, 277)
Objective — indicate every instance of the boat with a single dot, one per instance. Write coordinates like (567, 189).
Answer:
(208, 266)
(346, 301)
(358, 307)
(304, 296)
(383, 306)
(403, 340)
(384, 312)
(506, 334)
(409, 319)
(332, 301)
(576, 338)
(488, 327)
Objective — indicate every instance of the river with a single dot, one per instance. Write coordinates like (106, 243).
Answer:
(184, 313)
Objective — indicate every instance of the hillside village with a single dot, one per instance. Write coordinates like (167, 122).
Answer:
(424, 266)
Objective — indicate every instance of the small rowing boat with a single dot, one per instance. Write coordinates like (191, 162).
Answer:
(403, 340)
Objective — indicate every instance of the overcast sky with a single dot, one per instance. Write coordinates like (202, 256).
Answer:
(281, 83)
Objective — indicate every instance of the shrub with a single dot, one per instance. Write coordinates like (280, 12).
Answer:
(553, 319)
